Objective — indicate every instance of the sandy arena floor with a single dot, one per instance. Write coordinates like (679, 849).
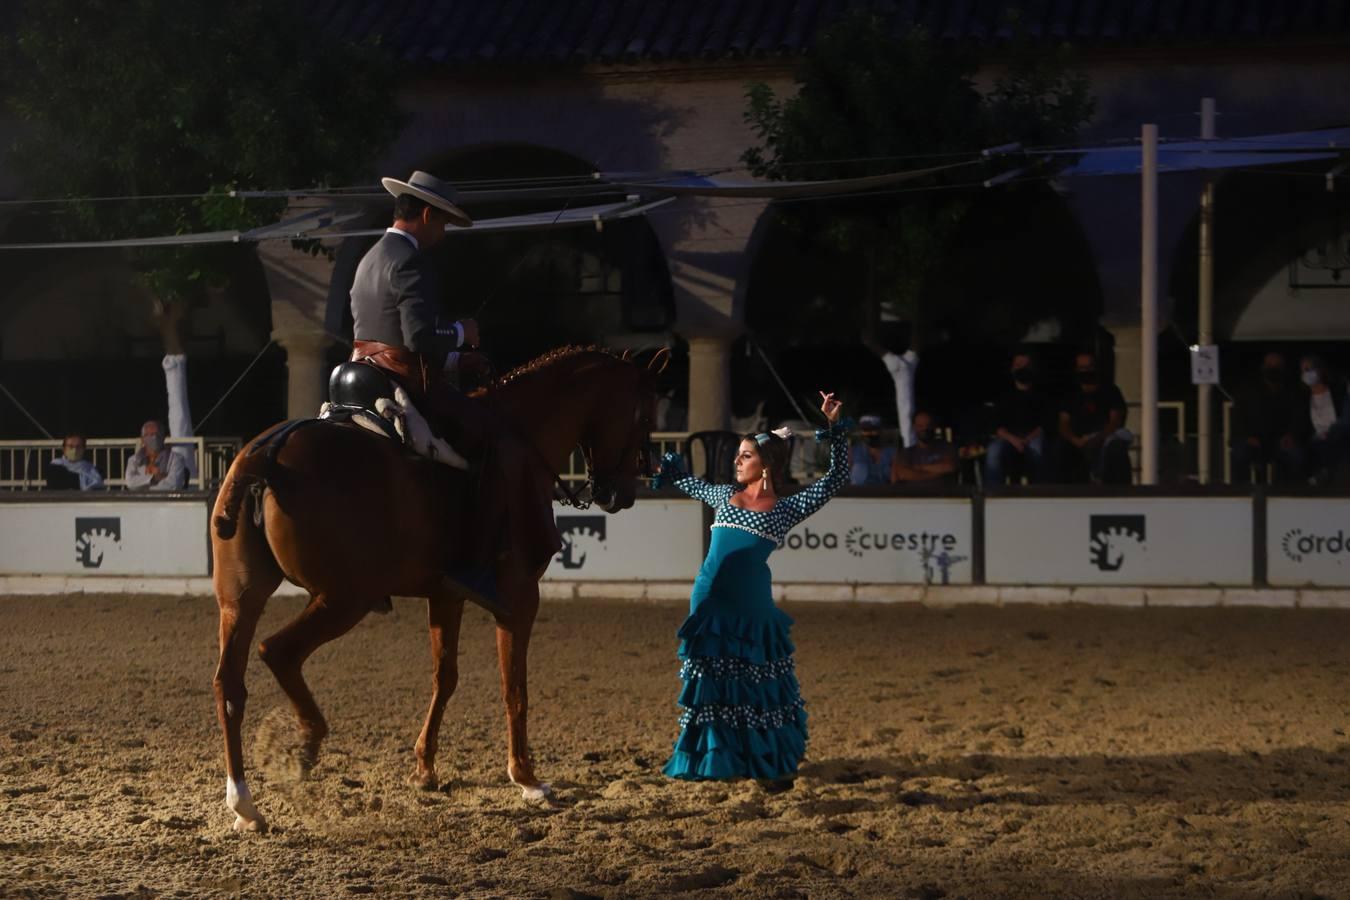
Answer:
(973, 752)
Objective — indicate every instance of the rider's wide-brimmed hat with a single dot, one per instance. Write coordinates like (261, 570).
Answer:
(432, 190)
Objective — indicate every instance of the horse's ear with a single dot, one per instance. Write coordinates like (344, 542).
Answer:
(657, 364)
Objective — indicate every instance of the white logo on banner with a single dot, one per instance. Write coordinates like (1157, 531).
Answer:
(1298, 545)
(582, 537)
(96, 539)
(1112, 540)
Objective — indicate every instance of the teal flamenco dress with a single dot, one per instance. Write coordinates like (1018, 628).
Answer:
(743, 712)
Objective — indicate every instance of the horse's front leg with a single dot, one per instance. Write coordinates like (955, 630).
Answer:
(513, 642)
(444, 614)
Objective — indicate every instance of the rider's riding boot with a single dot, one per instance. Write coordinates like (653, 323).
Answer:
(474, 570)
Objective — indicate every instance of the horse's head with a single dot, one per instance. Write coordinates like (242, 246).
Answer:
(617, 436)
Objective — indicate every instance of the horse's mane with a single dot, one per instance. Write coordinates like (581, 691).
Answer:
(550, 359)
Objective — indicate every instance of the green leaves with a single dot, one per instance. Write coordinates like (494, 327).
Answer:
(141, 98)
(870, 101)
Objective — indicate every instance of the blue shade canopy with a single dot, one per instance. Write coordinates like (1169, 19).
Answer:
(1220, 153)
(685, 184)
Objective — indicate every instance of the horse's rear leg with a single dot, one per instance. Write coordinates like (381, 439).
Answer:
(513, 643)
(328, 616)
(444, 614)
(242, 588)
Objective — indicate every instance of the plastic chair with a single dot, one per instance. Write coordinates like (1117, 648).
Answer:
(719, 455)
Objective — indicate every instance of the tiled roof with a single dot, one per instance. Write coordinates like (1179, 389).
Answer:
(577, 32)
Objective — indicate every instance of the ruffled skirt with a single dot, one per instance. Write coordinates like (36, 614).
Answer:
(743, 712)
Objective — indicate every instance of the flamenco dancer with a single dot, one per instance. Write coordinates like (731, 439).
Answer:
(744, 716)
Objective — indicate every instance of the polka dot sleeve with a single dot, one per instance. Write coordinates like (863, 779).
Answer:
(807, 501)
(712, 494)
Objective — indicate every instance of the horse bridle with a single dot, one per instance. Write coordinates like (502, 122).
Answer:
(643, 435)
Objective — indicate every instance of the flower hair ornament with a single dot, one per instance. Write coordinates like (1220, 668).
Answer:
(782, 434)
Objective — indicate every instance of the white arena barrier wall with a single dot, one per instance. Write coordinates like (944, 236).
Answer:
(1130, 541)
(1046, 547)
(655, 540)
(104, 534)
(1308, 541)
(881, 541)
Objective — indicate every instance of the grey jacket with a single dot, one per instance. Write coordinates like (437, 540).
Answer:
(394, 301)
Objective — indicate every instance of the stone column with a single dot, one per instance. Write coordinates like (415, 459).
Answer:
(708, 252)
(298, 283)
(306, 371)
(709, 383)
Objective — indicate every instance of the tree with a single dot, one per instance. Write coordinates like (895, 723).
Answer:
(870, 102)
(148, 99)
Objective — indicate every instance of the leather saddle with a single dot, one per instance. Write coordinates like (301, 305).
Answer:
(353, 390)
(363, 395)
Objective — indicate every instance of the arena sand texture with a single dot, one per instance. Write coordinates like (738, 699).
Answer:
(978, 751)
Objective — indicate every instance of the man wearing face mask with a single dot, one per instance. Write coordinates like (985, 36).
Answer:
(153, 467)
(1326, 426)
(1019, 428)
(1267, 427)
(71, 471)
(931, 460)
(870, 461)
(1092, 425)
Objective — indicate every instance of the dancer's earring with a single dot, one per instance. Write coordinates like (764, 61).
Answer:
(764, 481)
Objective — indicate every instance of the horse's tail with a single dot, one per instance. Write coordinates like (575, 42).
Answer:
(248, 478)
(240, 486)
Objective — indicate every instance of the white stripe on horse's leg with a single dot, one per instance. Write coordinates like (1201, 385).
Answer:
(239, 801)
(531, 791)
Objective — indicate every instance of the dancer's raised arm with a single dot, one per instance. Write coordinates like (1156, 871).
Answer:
(813, 497)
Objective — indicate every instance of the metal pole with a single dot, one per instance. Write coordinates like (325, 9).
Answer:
(1203, 397)
(1148, 313)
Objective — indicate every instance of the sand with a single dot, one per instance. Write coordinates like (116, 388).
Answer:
(978, 751)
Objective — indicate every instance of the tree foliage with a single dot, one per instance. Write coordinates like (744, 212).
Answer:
(146, 98)
(869, 101)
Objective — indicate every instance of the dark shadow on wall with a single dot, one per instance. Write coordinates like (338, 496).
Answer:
(112, 397)
(1019, 259)
(80, 351)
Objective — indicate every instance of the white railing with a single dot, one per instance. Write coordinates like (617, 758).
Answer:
(23, 464)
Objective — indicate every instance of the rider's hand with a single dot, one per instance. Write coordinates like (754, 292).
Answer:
(830, 407)
(470, 328)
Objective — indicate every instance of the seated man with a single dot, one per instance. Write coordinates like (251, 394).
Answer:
(394, 298)
(1092, 424)
(71, 471)
(869, 461)
(1019, 428)
(152, 467)
(1268, 426)
(931, 460)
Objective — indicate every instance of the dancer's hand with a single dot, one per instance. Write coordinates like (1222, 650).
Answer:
(830, 407)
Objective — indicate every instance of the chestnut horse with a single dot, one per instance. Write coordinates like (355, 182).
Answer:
(350, 517)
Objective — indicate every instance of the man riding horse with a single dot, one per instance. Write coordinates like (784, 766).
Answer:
(394, 302)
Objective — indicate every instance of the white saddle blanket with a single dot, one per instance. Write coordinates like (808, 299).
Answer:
(411, 425)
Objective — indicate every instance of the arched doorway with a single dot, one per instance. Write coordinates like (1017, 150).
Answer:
(1018, 271)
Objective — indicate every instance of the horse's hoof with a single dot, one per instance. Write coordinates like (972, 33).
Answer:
(424, 782)
(255, 825)
(539, 791)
